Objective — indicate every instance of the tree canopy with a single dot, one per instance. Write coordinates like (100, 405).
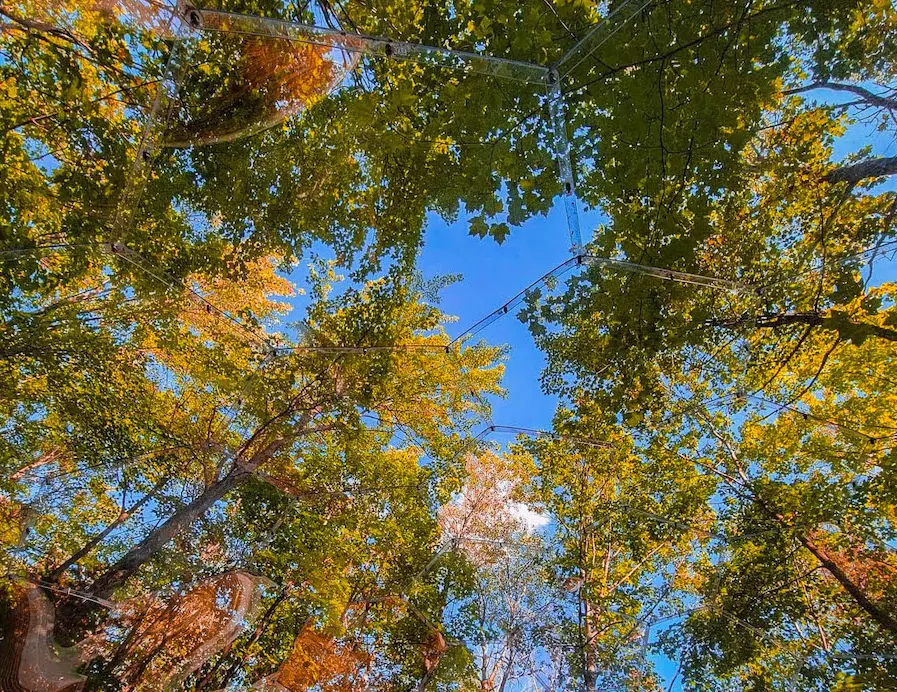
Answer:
(241, 450)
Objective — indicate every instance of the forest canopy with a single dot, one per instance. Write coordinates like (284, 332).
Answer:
(245, 447)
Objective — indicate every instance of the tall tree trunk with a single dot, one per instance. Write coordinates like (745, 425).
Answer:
(100, 537)
(590, 668)
(129, 563)
(869, 97)
(883, 618)
(856, 592)
(42, 460)
(242, 469)
(857, 172)
(587, 611)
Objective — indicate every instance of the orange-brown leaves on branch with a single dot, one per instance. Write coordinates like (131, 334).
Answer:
(272, 80)
(170, 639)
(319, 661)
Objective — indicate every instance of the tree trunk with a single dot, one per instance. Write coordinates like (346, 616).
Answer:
(37, 27)
(857, 172)
(869, 97)
(42, 460)
(243, 468)
(588, 634)
(100, 537)
(878, 614)
(883, 618)
(590, 668)
(129, 563)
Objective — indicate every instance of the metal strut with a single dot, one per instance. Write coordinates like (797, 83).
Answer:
(562, 151)
(598, 35)
(187, 17)
(583, 49)
(466, 61)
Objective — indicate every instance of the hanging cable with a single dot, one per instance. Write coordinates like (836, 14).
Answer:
(593, 40)
(820, 265)
(123, 252)
(128, 255)
(135, 259)
(505, 309)
(806, 415)
(667, 274)
(515, 430)
(12, 254)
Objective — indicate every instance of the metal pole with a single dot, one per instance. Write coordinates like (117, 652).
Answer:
(562, 152)
(466, 61)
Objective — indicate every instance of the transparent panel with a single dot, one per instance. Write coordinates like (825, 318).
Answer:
(337, 140)
(84, 79)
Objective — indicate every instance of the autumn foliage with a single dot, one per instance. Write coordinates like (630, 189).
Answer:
(318, 661)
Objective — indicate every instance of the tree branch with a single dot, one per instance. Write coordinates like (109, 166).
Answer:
(835, 323)
(866, 95)
(857, 172)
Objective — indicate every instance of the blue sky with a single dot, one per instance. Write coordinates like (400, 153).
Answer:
(492, 274)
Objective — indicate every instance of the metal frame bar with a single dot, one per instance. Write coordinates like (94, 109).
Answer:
(667, 274)
(564, 155)
(569, 61)
(598, 35)
(503, 68)
(203, 20)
